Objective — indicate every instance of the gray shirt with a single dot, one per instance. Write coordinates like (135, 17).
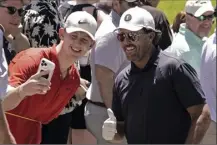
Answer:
(107, 53)
(3, 69)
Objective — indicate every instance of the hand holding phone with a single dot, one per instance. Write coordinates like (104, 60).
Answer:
(46, 65)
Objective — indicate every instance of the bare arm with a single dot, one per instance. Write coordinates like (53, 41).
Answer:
(105, 78)
(36, 84)
(200, 121)
(5, 135)
(13, 98)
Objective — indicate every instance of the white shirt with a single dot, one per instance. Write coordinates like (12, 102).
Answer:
(208, 73)
(3, 69)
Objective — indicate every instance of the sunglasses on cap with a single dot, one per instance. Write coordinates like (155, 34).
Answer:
(132, 36)
(203, 17)
(12, 10)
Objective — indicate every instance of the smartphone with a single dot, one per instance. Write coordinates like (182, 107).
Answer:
(46, 65)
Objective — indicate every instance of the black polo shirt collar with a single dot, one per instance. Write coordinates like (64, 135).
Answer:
(151, 62)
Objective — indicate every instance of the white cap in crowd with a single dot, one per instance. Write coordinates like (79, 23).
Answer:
(134, 19)
(198, 7)
(81, 21)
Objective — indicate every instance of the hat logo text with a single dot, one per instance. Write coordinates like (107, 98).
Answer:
(128, 17)
(82, 22)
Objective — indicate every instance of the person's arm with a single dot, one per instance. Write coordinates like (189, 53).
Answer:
(6, 136)
(105, 78)
(117, 109)
(23, 82)
(200, 121)
(107, 63)
(36, 84)
(189, 92)
(113, 127)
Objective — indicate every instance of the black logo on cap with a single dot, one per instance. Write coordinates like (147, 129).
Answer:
(82, 22)
(128, 17)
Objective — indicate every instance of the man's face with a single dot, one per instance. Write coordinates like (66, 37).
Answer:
(10, 19)
(200, 27)
(136, 44)
(76, 44)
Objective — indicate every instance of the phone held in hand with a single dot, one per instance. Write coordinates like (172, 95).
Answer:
(46, 65)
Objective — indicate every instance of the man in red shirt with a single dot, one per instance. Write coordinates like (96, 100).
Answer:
(32, 99)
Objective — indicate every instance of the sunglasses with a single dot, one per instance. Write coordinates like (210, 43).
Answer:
(203, 17)
(132, 36)
(12, 10)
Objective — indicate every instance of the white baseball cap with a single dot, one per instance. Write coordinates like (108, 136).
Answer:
(81, 21)
(198, 7)
(134, 19)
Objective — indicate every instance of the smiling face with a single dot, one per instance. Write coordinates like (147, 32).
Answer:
(136, 44)
(75, 44)
(200, 27)
(10, 21)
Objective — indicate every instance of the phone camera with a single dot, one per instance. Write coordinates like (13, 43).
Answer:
(43, 63)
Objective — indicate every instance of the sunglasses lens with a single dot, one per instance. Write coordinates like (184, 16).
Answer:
(12, 10)
(203, 18)
(132, 36)
(21, 12)
(120, 37)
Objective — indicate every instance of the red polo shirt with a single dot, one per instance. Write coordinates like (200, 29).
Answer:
(26, 119)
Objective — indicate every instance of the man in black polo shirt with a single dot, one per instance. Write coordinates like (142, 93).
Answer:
(158, 98)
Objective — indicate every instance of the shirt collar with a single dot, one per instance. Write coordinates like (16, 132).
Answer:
(153, 61)
(190, 35)
(54, 59)
(115, 17)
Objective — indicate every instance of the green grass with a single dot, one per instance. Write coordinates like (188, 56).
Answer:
(172, 7)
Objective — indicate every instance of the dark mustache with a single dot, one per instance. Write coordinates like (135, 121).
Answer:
(129, 45)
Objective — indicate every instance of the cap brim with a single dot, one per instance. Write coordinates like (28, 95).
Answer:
(130, 1)
(75, 29)
(135, 28)
(130, 27)
(204, 9)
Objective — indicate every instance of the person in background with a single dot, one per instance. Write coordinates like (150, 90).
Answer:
(81, 5)
(107, 60)
(14, 43)
(153, 3)
(158, 98)
(179, 19)
(41, 23)
(192, 34)
(29, 89)
(105, 6)
(9, 20)
(208, 81)
(161, 22)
